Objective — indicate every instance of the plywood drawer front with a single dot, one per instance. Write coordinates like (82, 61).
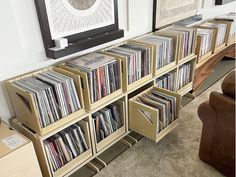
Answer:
(145, 120)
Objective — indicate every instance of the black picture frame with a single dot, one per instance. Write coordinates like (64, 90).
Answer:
(221, 2)
(80, 41)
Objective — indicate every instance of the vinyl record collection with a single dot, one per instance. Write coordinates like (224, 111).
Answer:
(229, 17)
(221, 31)
(184, 75)
(64, 146)
(54, 95)
(166, 104)
(138, 59)
(166, 81)
(102, 71)
(187, 38)
(107, 121)
(165, 48)
(206, 40)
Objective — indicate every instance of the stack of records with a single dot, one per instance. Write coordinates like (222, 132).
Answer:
(229, 17)
(102, 71)
(165, 48)
(187, 39)
(184, 75)
(54, 95)
(138, 59)
(166, 104)
(65, 146)
(166, 81)
(206, 42)
(221, 31)
(107, 121)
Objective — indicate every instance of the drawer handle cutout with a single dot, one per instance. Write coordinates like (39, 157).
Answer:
(147, 115)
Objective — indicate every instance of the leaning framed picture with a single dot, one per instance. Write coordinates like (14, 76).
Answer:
(80, 24)
(166, 12)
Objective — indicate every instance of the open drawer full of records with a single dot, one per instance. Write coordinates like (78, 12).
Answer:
(154, 112)
(46, 99)
(137, 62)
(101, 78)
(63, 150)
(109, 123)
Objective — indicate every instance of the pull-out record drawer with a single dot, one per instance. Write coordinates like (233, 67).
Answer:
(150, 121)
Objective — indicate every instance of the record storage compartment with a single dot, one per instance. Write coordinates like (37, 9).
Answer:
(159, 71)
(116, 134)
(24, 103)
(187, 87)
(138, 83)
(174, 71)
(140, 123)
(198, 48)
(227, 29)
(221, 46)
(179, 59)
(89, 106)
(44, 162)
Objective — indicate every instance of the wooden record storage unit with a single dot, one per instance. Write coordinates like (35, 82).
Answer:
(206, 63)
(27, 122)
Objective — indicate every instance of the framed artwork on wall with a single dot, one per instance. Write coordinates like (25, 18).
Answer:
(70, 26)
(166, 12)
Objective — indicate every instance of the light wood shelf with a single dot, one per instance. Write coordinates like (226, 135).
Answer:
(147, 127)
(27, 113)
(41, 153)
(129, 119)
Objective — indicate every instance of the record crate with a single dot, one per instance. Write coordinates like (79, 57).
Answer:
(198, 48)
(25, 106)
(89, 106)
(221, 46)
(136, 84)
(179, 58)
(144, 119)
(167, 72)
(231, 37)
(44, 160)
(101, 145)
(228, 23)
(231, 19)
(189, 86)
(159, 71)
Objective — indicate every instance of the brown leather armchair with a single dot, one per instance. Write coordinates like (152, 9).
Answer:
(217, 146)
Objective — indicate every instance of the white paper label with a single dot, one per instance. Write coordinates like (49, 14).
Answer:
(14, 141)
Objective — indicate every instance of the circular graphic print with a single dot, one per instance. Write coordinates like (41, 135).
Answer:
(81, 4)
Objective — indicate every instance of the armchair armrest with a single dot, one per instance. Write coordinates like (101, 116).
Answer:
(208, 118)
(223, 105)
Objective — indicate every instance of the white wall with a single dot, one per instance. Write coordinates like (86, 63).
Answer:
(21, 46)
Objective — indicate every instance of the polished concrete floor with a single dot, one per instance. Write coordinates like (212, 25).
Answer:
(176, 155)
